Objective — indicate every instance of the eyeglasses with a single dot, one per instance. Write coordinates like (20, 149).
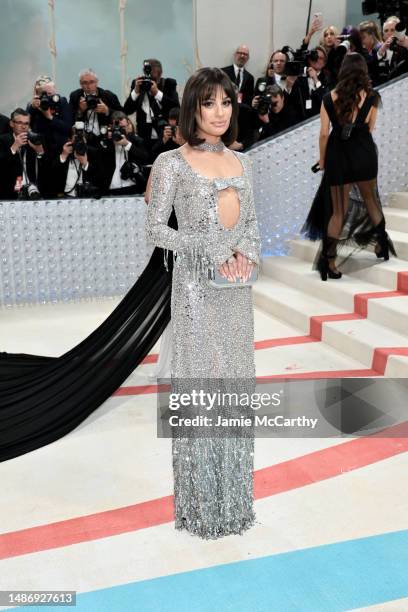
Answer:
(242, 53)
(87, 82)
(25, 123)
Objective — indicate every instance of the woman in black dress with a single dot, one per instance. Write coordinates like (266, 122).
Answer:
(349, 158)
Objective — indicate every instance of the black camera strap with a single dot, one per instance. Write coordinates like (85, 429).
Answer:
(23, 161)
(78, 169)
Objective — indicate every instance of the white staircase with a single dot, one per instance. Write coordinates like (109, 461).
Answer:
(291, 291)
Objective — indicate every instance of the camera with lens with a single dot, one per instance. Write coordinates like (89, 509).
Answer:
(118, 132)
(265, 103)
(47, 102)
(34, 138)
(104, 140)
(400, 32)
(130, 171)
(147, 80)
(87, 190)
(29, 192)
(79, 144)
(92, 101)
(296, 66)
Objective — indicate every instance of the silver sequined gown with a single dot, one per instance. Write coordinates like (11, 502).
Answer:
(213, 335)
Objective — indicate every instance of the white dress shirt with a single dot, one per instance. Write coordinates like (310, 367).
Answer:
(146, 107)
(117, 182)
(74, 175)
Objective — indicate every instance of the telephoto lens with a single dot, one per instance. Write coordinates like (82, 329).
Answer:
(34, 138)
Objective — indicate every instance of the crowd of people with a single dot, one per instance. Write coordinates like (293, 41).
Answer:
(88, 146)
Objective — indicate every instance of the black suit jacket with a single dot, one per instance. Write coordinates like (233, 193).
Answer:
(11, 167)
(107, 160)
(247, 87)
(170, 100)
(109, 98)
(4, 125)
(56, 131)
(300, 94)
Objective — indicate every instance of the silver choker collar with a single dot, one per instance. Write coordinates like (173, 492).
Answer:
(207, 146)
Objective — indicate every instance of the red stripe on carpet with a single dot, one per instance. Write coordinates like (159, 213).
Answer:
(265, 344)
(316, 322)
(361, 300)
(402, 282)
(381, 355)
(288, 475)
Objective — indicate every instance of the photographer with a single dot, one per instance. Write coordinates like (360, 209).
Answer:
(121, 155)
(370, 38)
(151, 98)
(393, 53)
(75, 169)
(50, 115)
(171, 138)
(23, 163)
(274, 114)
(92, 104)
(307, 82)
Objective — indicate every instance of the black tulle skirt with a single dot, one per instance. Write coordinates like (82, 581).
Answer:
(44, 398)
(353, 163)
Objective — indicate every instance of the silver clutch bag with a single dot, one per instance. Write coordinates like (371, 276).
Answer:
(220, 282)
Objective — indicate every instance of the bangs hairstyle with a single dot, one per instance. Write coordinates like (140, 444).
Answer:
(200, 87)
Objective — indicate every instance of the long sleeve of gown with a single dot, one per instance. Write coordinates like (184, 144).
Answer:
(250, 242)
(165, 181)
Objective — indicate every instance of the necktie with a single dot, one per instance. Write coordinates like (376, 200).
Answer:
(239, 78)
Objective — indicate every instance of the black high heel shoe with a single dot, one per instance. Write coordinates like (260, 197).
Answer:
(382, 241)
(328, 253)
(325, 270)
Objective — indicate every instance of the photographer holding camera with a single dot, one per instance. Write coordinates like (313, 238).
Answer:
(274, 114)
(121, 157)
(393, 52)
(92, 104)
(306, 81)
(75, 169)
(50, 115)
(171, 137)
(23, 163)
(151, 98)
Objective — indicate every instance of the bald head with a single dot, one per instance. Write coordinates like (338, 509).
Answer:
(241, 55)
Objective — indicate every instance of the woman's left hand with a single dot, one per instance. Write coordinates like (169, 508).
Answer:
(321, 164)
(244, 266)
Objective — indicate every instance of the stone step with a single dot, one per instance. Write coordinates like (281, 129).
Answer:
(363, 264)
(396, 219)
(391, 312)
(356, 339)
(398, 200)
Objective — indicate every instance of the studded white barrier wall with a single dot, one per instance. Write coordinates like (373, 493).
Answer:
(61, 250)
(285, 186)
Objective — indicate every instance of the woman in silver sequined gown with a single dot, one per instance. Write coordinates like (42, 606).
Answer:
(213, 329)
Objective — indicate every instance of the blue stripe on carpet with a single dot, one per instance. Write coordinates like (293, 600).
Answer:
(329, 578)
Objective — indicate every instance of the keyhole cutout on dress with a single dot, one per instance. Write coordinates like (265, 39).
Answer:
(228, 207)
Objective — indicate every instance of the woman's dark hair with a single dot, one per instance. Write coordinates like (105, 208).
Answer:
(199, 88)
(353, 79)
